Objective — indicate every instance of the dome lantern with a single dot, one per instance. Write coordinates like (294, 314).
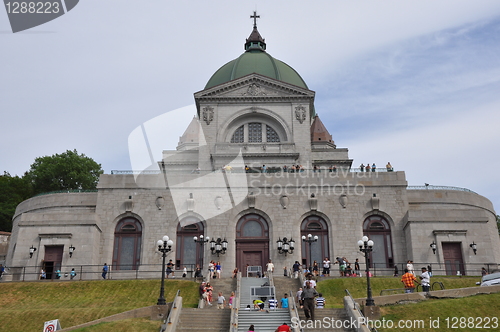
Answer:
(255, 40)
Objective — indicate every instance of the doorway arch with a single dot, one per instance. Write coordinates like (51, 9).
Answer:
(252, 242)
(316, 226)
(189, 253)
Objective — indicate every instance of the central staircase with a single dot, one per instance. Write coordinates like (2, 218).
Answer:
(264, 321)
(209, 318)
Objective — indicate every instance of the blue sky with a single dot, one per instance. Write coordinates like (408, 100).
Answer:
(415, 83)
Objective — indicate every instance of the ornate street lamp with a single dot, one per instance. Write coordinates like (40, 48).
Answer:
(434, 247)
(310, 239)
(366, 247)
(202, 240)
(32, 251)
(285, 246)
(164, 246)
(71, 250)
(473, 246)
(218, 247)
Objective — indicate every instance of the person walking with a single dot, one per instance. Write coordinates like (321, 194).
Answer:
(284, 301)
(218, 268)
(105, 270)
(326, 267)
(283, 328)
(425, 280)
(221, 301)
(308, 295)
(320, 301)
(357, 270)
(270, 268)
(170, 267)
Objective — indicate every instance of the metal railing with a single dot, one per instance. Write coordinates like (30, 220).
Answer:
(236, 304)
(294, 312)
(358, 309)
(431, 187)
(167, 320)
(437, 269)
(270, 170)
(91, 272)
(69, 191)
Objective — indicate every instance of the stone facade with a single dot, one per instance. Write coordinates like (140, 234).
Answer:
(215, 184)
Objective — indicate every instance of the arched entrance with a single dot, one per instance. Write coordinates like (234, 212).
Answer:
(127, 246)
(316, 226)
(252, 242)
(377, 228)
(189, 253)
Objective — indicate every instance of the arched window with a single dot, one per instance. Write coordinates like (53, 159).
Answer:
(127, 246)
(271, 134)
(316, 226)
(252, 226)
(253, 132)
(238, 136)
(189, 253)
(378, 229)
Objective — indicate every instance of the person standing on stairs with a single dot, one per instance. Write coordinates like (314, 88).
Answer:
(308, 295)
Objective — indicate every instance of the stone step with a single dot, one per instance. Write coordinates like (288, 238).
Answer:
(194, 319)
(327, 319)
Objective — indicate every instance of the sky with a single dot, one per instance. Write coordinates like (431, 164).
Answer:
(416, 83)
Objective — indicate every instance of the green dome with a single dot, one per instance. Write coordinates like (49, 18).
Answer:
(256, 60)
(259, 62)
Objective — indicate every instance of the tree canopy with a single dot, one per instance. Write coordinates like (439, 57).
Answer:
(13, 190)
(65, 171)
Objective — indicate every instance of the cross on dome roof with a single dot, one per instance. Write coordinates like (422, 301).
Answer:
(255, 41)
(255, 17)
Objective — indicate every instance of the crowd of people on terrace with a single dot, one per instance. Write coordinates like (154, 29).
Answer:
(297, 168)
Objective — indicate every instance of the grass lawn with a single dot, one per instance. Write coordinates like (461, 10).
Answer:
(25, 306)
(473, 313)
(334, 289)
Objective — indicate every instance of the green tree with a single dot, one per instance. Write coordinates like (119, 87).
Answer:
(498, 223)
(13, 190)
(65, 171)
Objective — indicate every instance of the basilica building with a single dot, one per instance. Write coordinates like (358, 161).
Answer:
(256, 173)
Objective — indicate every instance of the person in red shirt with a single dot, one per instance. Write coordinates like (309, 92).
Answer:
(283, 328)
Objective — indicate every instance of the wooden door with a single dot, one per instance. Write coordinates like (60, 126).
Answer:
(52, 260)
(453, 260)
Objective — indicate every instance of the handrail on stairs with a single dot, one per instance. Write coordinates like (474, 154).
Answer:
(236, 305)
(168, 321)
(294, 313)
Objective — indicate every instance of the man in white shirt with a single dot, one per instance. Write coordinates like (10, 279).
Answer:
(270, 268)
(326, 267)
(425, 280)
(311, 281)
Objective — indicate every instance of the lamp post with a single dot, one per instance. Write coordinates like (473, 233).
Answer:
(310, 239)
(434, 247)
(218, 247)
(32, 251)
(71, 250)
(164, 246)
(202, 239)
(473, 245)
(366, 247)
(285, 246)
(199, 255)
